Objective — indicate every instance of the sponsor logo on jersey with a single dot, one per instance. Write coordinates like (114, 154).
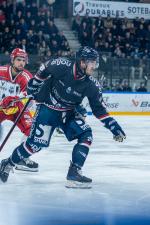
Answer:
(42, 67)
(77, 94)
(97, 84)
(41, 135)
(68, 90)
(61, 61)
(8, 89)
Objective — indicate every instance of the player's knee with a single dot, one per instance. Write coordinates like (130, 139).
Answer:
(86, 138)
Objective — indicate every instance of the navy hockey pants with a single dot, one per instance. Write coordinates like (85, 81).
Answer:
(46, 120)
(44, 123)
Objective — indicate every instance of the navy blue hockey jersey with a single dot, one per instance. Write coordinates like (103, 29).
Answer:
(64, 88)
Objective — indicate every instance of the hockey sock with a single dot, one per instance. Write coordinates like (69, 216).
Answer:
(79, 154)
(18, 154)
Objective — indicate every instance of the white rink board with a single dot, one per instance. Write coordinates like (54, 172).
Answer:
(125, 102)
(111, 8)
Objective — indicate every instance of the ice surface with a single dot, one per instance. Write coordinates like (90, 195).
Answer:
(121, 181)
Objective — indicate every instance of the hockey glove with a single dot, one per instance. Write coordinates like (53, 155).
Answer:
(111, 124)
(34, 86)
(9, 101)
(9, 105)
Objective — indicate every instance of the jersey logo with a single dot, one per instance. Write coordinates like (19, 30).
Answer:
(77, 94)
(97, 84)
(8, 89)
(68, 90)
(61, 61)
(42, 67)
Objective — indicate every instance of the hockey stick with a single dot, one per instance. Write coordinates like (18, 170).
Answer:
(15, 123)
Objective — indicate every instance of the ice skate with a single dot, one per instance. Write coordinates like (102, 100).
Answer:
(27, 164)
(5, 168)
(75, 179)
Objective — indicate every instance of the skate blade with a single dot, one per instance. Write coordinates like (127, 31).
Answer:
(78, 185)
(22, 168)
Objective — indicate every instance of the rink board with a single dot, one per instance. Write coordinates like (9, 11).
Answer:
(125, 103)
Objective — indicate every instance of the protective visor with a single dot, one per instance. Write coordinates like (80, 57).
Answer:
(93, 63)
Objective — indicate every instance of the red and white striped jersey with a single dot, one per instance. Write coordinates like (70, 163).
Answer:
(10, 85)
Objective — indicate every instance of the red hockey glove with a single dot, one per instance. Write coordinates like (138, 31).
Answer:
(9, 101)
(9, 105)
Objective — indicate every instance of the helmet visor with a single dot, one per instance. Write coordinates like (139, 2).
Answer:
(92, 63)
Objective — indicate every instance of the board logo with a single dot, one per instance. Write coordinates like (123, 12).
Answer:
(78, 7)
(135, 103)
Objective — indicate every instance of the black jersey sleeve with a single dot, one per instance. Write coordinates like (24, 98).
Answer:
(96, 99)
(56, 68)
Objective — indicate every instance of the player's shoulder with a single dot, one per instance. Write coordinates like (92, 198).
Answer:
(94, 82)
(26, 74)
(4, 68)
(4, 72)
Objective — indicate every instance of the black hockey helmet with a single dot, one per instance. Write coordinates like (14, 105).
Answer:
(86, 54)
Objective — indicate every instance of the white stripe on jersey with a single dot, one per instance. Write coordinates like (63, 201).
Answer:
(85, 144)
(3, 68)
(26, 76)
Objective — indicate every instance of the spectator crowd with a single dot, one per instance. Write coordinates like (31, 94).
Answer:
(31, 28)
(124, 86)
(121, 38)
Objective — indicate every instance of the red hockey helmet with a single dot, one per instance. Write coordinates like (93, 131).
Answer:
(18, 52)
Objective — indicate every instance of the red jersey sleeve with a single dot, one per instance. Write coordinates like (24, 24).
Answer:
(4, 73)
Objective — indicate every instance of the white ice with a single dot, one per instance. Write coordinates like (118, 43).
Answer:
(121, 181)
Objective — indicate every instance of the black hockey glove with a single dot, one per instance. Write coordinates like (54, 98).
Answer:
(111, 124)
(34, 86)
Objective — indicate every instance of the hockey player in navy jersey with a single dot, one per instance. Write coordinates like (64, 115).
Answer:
(59, 86)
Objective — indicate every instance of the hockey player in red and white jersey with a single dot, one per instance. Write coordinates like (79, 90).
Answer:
(13, 83)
